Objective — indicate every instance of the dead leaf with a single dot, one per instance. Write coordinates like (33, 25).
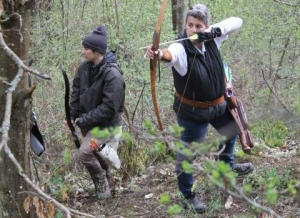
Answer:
(162, 172)
(229, 202)
(35, 200)
(64, 196)
(148, 196)
(78, 204)
(27, 201)
(236, 206)
(41, 210)
(50, 210)
(37, 208)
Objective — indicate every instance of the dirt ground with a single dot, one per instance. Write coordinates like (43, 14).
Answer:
(139, 197)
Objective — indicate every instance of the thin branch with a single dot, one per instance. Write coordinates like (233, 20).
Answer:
(272, 90)
(5, 130)
(28, 181)
(6, 126)
(7, 113)
(286, 3)
(240, 193)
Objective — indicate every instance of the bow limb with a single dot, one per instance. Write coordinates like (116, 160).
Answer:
(153, 62)
(67, 110)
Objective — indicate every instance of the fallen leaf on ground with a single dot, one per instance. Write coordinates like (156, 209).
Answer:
(229, 202)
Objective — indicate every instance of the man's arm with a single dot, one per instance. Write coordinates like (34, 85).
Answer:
(113, 97)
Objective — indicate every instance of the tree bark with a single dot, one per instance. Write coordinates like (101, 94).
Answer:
(178, 15)
(174, 15)
(16, 34)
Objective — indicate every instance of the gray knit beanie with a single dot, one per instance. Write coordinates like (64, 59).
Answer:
(97, 40)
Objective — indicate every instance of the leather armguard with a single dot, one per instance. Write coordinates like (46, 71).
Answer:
(166, 57)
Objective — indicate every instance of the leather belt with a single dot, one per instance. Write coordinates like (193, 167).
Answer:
(200, 104)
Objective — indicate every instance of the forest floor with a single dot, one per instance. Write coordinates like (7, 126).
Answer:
(139, 197)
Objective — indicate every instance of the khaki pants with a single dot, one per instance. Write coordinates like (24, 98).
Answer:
(96, 165)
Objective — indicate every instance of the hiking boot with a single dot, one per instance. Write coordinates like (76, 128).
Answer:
(194, 202)
(243, 168)
(102, 187)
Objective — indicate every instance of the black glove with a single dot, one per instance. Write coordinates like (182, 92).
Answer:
(206, 36)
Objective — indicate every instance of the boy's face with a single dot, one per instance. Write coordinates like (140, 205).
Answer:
(88, 54)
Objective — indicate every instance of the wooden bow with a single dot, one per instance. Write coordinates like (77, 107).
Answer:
(153, 63)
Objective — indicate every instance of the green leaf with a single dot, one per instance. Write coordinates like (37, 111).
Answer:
(160, 146)
(174, 209)
(67, 156)
(187, 167)
(176, 130)
(57, 180)
(292, 184)
(59, 214)
(164, 199)
(215, 176)
(272, 196)
(188, 152)
(239, 153)
(179, 145)
(247, 188)
(95, 132)
(223, 168)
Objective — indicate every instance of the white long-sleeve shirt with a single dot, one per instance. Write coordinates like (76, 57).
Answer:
(179, 57)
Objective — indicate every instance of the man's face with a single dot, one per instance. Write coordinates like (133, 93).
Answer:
(194, 25)
(89, 55)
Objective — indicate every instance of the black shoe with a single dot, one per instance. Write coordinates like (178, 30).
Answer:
(243, 168)
(194, 202)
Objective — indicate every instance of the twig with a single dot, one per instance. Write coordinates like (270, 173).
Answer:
(5, 130)
(282, 104)
(286, 3)
(240, 193)
(7, 113)
(30, 183)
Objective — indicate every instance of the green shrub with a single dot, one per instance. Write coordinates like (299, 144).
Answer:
(272, 132)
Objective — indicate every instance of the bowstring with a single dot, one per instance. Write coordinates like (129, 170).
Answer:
(185, 87)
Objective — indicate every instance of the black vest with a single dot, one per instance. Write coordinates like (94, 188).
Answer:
(204, 80)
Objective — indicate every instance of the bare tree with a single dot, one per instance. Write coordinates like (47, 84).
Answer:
(19, 195)
(15, 25)
(178, 7)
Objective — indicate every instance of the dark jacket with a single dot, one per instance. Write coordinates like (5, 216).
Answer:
(98, 101)
(204, 81)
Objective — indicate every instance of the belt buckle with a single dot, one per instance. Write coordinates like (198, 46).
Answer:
(208, 103)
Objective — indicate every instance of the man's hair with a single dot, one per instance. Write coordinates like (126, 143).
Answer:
(200, 12)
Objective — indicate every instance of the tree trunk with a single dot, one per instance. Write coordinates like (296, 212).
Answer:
(13, 188)
(174, 15)
(178, 15)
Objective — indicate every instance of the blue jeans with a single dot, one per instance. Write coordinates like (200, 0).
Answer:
(195, 132)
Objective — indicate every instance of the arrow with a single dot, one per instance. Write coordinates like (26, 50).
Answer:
(193, 37)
